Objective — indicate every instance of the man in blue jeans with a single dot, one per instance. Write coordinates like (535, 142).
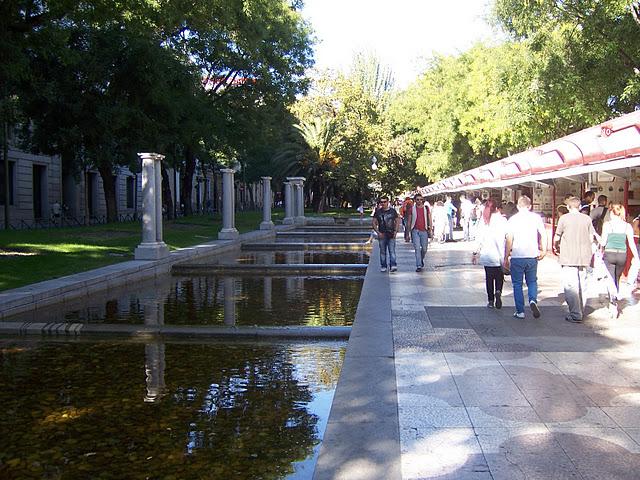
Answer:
(525, 245)
(386, 222)
(419, 224)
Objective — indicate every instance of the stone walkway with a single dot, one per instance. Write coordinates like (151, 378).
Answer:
(483, 395)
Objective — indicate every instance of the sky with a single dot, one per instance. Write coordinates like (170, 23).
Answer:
(403, 34)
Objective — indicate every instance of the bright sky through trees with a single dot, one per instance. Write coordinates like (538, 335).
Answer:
(402, 33)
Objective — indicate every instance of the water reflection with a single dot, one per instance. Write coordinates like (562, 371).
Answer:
(297, 256)
(154, 363)
(211, 300)
(74, 410)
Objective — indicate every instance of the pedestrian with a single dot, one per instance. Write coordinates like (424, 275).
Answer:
(525, 246)
(573, 243)
(440, 222)
(420, 224)
(386, 223)
(361, 210)
(599, 214)
(405, 209)
(618, 242)
(489, 251)
(476, 217)
(466, 207)
(587, 201)
(451, 210)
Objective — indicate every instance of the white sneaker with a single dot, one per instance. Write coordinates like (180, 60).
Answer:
(534, 309)
(394, 269)
(519, 315)
(383, 269)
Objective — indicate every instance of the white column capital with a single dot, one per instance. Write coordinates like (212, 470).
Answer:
(151, 155)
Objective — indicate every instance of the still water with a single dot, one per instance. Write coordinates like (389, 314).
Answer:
(292, 257)
(114, 410)
(213, 300)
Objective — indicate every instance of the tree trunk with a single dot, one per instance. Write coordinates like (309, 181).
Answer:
(109, 187)
(167, 197)
(187, 181)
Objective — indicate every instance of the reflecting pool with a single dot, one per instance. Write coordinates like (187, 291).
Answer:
(295, 256)
(111, 409)
(215, 300)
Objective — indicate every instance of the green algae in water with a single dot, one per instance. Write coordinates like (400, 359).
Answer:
(125, 410)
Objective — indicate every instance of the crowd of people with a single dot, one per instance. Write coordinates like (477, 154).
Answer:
(593, 241)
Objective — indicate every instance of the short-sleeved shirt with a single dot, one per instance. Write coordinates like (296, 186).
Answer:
(526, 227)
(576, 234)
(386, 220)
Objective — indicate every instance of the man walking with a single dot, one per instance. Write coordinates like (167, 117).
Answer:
(405, 210)
(419, 225)
(525, 245)
(451, 216)
(599, 214)
(466, 207)
(386, 222)
(572, 242)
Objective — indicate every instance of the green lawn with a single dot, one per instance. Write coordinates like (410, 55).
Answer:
(29, 256)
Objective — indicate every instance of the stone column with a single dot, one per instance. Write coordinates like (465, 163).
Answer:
(266, 223)
(228, 231)
(152, 246)
(298, 212)
(288, 204)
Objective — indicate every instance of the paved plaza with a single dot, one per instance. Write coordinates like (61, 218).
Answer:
(483, 395)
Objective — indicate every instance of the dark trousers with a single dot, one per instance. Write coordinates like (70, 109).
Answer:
(615, 262)
(495, 279)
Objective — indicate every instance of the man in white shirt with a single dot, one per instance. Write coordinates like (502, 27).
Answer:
(466, 207)
(525, 245)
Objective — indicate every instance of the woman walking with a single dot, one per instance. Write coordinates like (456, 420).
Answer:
(489, 251)
(617, 239)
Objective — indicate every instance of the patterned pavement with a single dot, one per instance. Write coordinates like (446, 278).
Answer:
(483, 395)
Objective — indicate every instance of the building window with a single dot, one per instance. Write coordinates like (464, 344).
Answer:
(130, 191)
(11, 182)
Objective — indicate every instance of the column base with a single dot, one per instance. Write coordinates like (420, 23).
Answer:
(288, 221)
(151, 251)
(228, 234)
(267, 225)
(300, 220)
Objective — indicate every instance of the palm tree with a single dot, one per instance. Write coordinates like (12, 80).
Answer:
(312, 154)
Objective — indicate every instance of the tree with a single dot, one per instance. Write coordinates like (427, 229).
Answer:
(593, 48)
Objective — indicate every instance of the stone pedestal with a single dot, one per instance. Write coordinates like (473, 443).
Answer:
(266, 223)
(152, 246)
(228, 231)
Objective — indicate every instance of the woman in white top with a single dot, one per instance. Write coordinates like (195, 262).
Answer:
(490, 251)
(617, 238)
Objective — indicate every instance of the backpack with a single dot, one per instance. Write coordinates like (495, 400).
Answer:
(599, 221)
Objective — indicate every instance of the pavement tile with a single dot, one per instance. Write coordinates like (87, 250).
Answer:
(474, 395)
(451, 452)
(442, 393)
(503, 417)
(423, 417)
(624, 416)
(600, 453)
(575, 416)
(524, 453)
(472, 363)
